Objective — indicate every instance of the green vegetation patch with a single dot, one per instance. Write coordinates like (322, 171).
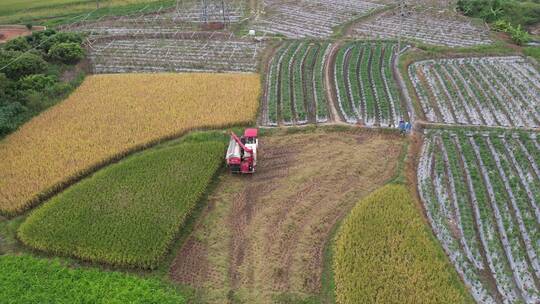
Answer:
(55, 12)
(128, 213)
(25, 279)
(384, 253)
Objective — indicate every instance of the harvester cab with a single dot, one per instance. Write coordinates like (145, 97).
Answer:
(241, 154)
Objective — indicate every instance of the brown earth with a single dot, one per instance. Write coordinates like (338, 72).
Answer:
(8, 32)
(264, 235)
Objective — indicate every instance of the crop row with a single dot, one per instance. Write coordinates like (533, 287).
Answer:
(168, 55)
(366, 89)
(494, 91)
(110, 116)
(423, 27)
(301, 19)
(295, 90)
(481, 192)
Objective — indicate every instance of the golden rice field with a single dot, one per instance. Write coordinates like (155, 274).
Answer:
(384, 253)
(109, 116)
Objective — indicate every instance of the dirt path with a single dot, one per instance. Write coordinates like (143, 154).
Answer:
(264, 235)
(331, 94)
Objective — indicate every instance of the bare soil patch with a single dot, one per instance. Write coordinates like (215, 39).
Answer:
(8, 32)
(265, 234)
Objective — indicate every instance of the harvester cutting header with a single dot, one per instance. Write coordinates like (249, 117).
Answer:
(241, 155)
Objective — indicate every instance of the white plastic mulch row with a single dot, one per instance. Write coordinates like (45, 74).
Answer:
(424, 27)
(492, 91)
(174, 55)
(315, 18)
(495, 174)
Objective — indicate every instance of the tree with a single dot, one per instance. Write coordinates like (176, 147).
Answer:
(18, 44)
(62, 37)
(16, 65)
(37, 82)
(69, 53)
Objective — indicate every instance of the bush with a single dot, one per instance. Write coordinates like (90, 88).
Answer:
(66, 52)
(17, 44)
(37, 82)
(518, 35)
(20, 64)
(5, 85)
(61, 37)
(518, 12)
(40, 36)
(26, 279)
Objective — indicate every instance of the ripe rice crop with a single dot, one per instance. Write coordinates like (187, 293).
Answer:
(109, 116)
(493, 91)
(295, 90)
(384, 253)
(126, 214)
(365, 86)
(26, 279)
(481, 192)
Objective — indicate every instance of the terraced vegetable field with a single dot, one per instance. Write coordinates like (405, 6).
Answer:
(493, 91)
(313, 18)
(295, 92)
(481, 192)
(209, 52)
(365, 86)
(431, 28)
(109, 116)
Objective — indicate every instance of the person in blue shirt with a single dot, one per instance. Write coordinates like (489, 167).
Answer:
(408, 127)
(401, 127)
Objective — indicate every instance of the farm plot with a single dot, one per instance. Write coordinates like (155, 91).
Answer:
(26, 279)
(126, 214)
(179, 54)
(110, 116)
(295, 90)
(384, 253)
(203, 11)
(425, 27)
(314, 18)
(481, 193)
(167, 20)
(264, 236)
(365, 87)
(493, 91)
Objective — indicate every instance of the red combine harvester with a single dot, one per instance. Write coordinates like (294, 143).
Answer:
(242, 152)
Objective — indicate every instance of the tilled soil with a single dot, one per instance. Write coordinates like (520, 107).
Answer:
(265, 234)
